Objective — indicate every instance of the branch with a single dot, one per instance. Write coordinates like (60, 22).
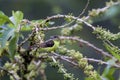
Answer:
(84, 9)
(88, 44)
(104, 9)
(70, 60)
(72, 17)
(56, 27)
(26, 39)
(102, 62)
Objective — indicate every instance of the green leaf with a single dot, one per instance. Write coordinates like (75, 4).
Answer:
(13, 45)
(17, 17)
(26, 27)
(108, 73)
(7, 33)
(113, 50)
(4, 18)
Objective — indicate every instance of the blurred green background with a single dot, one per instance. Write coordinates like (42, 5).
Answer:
(39, 9)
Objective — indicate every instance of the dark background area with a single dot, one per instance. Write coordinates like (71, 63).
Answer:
(39, 9)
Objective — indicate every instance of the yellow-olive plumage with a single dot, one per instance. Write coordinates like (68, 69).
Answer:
(49, 46)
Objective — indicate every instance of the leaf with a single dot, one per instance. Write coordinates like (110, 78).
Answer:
(4, 18)
(26, 27)
(17, 17)
(108, 73)
(7, 33)
(13, 45)
(113, 50)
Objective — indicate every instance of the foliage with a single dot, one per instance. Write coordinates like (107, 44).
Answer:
(28, 62)
(106, 35)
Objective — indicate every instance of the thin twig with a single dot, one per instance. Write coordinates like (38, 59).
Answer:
(26, 39)
(102, 62)
(56, 27)
(84, 9)
(65, 58)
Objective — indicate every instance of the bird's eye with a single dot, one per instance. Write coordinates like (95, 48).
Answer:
(53, 37)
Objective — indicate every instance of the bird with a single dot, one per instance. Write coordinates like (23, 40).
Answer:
(49, 45)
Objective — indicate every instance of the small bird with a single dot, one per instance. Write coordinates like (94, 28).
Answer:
(49, 45)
